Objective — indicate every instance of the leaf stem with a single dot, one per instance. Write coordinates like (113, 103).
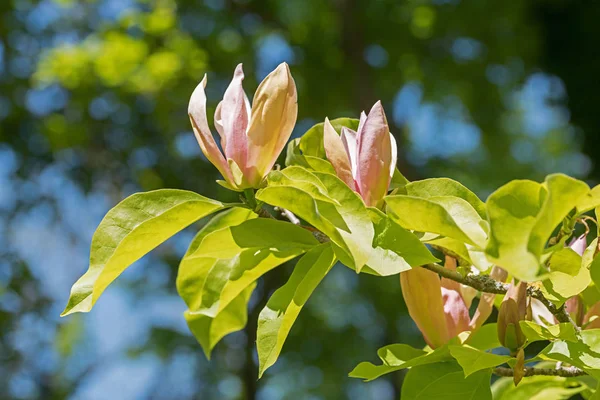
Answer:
(567, 372)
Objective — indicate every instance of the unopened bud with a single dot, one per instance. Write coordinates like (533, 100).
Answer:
(513, 310)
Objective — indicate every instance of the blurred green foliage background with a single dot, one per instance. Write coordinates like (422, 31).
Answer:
(93, 98)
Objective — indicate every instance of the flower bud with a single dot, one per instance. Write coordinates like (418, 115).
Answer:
(513, 310)
(439, 313)
(366, 159)
(251, 137)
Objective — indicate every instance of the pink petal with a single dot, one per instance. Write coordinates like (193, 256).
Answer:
(394, 156)
(422, 294)
(456, 312)
(197, 114)
(374, 156)
(349, 137)
(336, 154)
(234, 120)
(579, 244)
(274, 112)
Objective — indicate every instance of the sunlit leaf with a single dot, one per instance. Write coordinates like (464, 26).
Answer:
(473, 360)
(210, 330)
(131, 229)
(536, 387)
(434, 187)
(449, 216)
(345, 220)
(396, 357)
(282, 309)
(394, 248)
(535, 332)
(445, 380)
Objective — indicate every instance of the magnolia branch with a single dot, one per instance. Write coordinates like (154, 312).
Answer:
(567, 372)
(484, 283)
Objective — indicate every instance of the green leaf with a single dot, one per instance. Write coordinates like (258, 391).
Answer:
(295, 157)
(311, 142)
(536, 387)
(535, 332)
(344, 219)
(282, 309)
(131, 229)
(590, 201)
(512, 212)
(396, 357)
(568, 276)
(466, 254)
(194, 270)
(522, 215)
(584, 353)
(210, 330)
(484, 338)
(595, 271)
(240, 255)
(445, 381)
(473, 360)
(398, 180)
(563, 195)
(435, 187)
(394, 248)
(449, 216)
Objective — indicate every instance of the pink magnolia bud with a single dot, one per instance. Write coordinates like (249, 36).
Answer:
(440, 313)
(364, 159)
(252, 137)
(513, 310)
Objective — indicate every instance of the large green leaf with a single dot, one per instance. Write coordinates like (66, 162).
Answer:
(396, 357)
(484, 338)
(394, 248)
(590, 201)
(563, 195)
(473, 360)
(194, 270)
(282, 309)
(131, 229)
(512, 212)
(535, 332)
(536, 387)
(584, 353)
(344, 219)
(445, 187)
(240, 255)
(568, 276)
(445, 381)
(210, 330)
(449, 216)
(522, 215)
(191, 277)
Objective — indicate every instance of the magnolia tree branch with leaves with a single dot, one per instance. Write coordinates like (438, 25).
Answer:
(340, 202)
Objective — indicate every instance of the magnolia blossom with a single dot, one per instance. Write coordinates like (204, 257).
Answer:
(440, 307)
(365, 160)
(252, 137)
